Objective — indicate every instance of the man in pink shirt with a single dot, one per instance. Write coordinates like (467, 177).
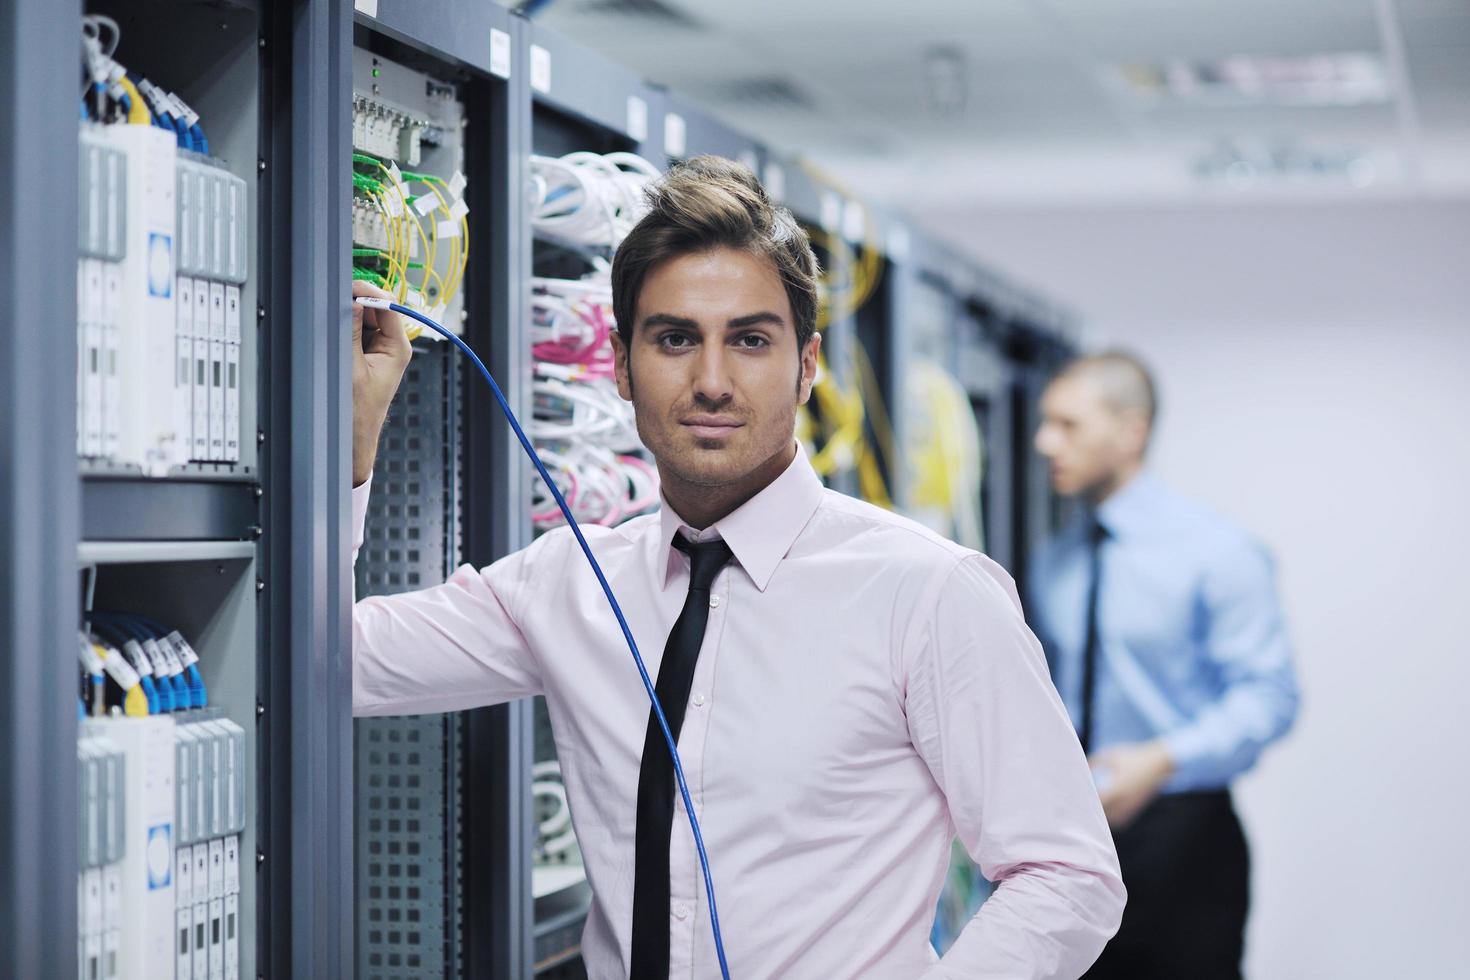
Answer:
(848, 689)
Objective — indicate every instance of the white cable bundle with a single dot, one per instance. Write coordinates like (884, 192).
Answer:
(555, 839)
(588, 200)
(585, 431)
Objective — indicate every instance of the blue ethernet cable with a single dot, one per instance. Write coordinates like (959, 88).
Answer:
(183, 695)
(120, 640)
(198, 694)
(201, 143)
(173, 688)
(663, 723)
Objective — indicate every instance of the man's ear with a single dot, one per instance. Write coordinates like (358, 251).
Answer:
(809, 357)
(620, 366)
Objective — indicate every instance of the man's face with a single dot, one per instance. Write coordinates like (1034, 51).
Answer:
(712, 368)
(1088, 442)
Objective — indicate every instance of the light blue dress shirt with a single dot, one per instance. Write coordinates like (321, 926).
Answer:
(1192, 647)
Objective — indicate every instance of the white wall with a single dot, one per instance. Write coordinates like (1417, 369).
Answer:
(1315, 367)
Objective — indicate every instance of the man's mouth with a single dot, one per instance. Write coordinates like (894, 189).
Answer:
(711, 426)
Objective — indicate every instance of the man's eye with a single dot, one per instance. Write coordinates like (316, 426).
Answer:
(674, 341)
(753, 341)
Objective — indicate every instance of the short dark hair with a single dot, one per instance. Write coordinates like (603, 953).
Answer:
(710, 202)
(1124, 379)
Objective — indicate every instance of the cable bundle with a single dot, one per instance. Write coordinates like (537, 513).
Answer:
(584, 430)
(556, 842)
(390, 208)
(945, 454)
(134, 664)
(110, 95)
(587, 203)
(849, 401)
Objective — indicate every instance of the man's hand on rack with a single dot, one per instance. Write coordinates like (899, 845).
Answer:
(380, 355)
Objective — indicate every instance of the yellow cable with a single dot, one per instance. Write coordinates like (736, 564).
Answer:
(135, 702)
(138, 109)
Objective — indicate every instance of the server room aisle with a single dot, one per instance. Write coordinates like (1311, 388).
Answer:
(1159, 307)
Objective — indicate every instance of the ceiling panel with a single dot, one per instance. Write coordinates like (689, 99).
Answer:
(1045, 111)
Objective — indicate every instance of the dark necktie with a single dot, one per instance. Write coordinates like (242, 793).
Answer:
(1097, 534)
(656, 774)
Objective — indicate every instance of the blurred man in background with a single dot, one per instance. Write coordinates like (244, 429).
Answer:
(1165, 639)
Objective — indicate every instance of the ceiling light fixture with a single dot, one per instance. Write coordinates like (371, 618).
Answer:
(1313, 80)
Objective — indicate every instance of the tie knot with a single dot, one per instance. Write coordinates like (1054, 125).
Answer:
(1097, 533)
(705, 560)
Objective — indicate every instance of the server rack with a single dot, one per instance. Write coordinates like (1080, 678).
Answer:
(265, 543)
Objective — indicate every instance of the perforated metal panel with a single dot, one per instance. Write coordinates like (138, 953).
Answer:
(407, 769)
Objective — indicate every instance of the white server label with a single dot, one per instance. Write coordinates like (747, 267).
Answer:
(854, 220)
(775, 181)
(831, 210)
(499, 53)
(676, 135)
(540, 69)
(637, 118)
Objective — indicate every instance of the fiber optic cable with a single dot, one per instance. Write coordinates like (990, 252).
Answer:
(525, 441)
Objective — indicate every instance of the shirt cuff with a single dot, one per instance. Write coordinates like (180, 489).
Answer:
(1190, 749)
(360, 495)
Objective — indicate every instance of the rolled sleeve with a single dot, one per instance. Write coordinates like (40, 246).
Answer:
(985, 718)
(448, 648)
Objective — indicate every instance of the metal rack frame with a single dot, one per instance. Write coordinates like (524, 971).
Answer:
(297, 515)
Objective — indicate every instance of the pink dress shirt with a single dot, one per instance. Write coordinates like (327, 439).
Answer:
(865, 691)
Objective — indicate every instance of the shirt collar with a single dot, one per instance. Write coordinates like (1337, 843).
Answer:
(763, 529)
(1130, 507)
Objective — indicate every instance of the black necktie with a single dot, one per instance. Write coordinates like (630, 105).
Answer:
(1096, 535)
(656, 774)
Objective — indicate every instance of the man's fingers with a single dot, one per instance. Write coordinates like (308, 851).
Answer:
(387, 333)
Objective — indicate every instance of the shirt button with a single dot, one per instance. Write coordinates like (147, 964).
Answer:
(681, 912)
(714, 602)
(699, 700)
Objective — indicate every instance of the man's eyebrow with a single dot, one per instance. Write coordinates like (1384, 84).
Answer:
(752, 319)
(738, 323)
(669, 320)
